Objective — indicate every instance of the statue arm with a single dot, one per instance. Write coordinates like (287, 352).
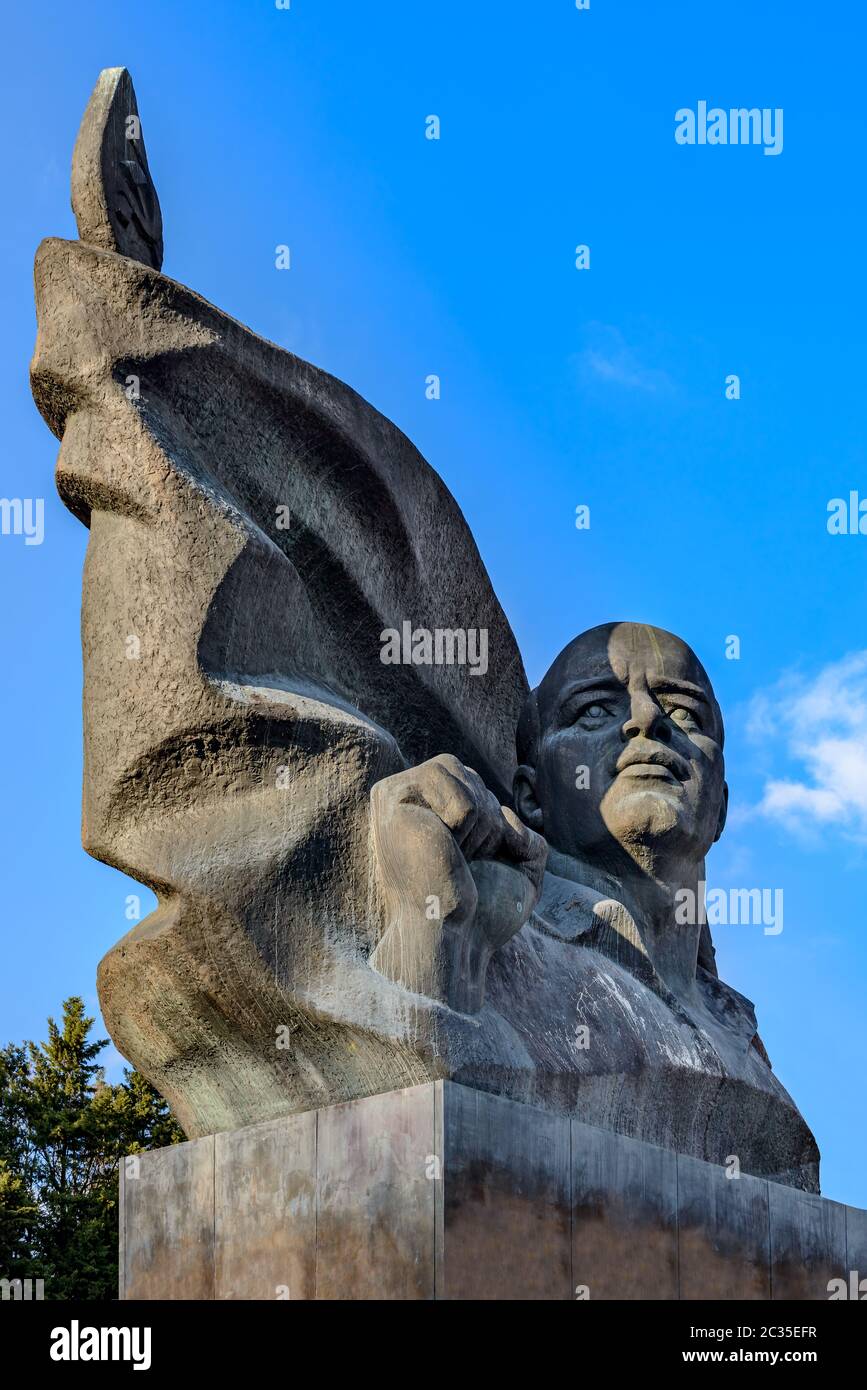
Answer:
(460, 874)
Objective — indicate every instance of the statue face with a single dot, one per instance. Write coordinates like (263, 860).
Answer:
(631, 748)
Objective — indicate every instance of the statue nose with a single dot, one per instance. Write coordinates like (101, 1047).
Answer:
(646, 720)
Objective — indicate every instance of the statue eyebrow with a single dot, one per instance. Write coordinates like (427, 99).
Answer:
(672, 687)
(610, 683)
(601, 683)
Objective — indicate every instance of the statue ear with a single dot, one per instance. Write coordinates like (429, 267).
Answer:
(526, 801)
(723, 812)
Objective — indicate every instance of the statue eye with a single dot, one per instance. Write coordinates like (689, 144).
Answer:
(594, 711)
(684, 715)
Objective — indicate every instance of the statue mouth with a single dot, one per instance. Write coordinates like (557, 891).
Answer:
(654, 771)
(644, 759)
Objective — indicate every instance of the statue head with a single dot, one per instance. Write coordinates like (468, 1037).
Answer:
(620, 752)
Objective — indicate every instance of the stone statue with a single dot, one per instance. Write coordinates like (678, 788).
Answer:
(363, 882)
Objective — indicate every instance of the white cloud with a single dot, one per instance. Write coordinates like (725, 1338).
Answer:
(824, 724)
(608, 357)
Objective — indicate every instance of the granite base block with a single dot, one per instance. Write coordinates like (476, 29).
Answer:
(441, 1192)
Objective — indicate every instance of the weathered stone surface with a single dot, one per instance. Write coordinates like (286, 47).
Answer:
(113, 195)
(624, 1217)
(505, 1168)
(808, 1244)
(856, 1250)
(376, 1193)
(440, 1192)
(167, 1223)
(723, 1234)
(265, 1210)
(361, 888)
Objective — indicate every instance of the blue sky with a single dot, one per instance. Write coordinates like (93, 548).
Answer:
(603, 387)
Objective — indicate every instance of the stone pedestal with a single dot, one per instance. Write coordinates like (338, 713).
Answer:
(443, 1192)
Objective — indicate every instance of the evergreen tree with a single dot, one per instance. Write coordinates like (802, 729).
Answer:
(18, 1211)
(63, 1133)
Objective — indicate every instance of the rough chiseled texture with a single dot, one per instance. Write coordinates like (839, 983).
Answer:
(113, 196)
(255, 527)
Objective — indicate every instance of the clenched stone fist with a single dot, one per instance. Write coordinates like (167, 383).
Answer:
(461, 876)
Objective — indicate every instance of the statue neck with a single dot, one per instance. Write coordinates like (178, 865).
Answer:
(657, 905)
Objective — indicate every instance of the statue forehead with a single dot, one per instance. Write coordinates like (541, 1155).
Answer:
(622, 650)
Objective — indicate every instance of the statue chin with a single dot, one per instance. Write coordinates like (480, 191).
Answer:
(642, 815)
